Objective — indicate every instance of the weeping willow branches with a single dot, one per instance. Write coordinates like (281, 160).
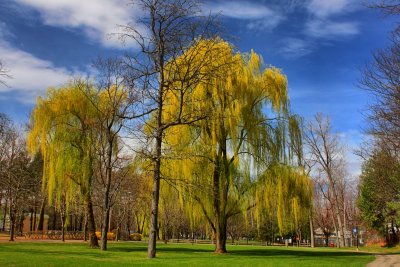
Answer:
(238, 155)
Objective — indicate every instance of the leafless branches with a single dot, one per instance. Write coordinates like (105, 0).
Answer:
(3, 74)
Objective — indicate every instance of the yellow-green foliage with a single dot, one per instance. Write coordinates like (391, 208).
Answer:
(61, 128)
(244, 131)
(286, 191)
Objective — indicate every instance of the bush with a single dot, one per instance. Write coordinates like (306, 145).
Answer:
(136, 237)
(110, 236)
(98, 235)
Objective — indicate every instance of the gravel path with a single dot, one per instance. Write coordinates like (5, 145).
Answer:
(385, 261)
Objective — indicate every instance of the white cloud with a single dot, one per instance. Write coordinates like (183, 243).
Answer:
(326, 8)
(293, 48)
(323, 24)
(31, 76)
(98, 18)
(260, 17)
(330, 29)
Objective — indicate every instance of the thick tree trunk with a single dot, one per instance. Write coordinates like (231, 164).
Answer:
(220, 235)
(311, 231)
(151, 252)
(220, 218)
(341, 230)
(93, 242)
(104, 230)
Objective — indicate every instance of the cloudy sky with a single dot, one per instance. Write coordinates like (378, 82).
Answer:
(321, 45)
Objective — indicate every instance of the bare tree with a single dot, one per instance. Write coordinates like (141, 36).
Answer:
(388, 7)
(112, 107)
(326, 155)
(381, 78)
(167, 29)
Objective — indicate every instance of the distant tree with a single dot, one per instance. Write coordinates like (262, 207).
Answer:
(379, 192)
(112, 106)
(381, 79)
(326, 156)
(14, 174)
(62, 129)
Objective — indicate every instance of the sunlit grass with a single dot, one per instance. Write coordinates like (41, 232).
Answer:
(132, 253)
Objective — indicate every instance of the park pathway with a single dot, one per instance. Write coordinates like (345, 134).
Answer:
(385, 261)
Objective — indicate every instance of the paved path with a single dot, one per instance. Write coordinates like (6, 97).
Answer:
(385, 261)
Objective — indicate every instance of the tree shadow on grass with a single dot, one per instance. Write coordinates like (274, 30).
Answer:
(300, 253)
(33, 251)
(175, 249)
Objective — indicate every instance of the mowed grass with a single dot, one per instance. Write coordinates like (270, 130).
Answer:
(133, 253)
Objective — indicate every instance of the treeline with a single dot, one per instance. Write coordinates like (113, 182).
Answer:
(379, 182)
(188, 136)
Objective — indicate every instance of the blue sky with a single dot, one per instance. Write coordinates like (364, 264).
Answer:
(321, 45)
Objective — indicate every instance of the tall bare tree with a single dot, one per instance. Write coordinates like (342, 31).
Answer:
(326, 155)
(166, 30)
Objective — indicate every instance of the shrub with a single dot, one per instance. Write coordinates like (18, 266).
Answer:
(110, 236)
(98, 235)
(136, 237)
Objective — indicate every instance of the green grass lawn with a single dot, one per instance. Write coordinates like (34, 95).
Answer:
(132, 253)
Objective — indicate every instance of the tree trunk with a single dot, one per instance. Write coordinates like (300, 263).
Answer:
(31, 222)
(85, 226)
(341, 237)
(104, 229)
(326, 239)
(63, 226)
(220, 246)
(93, 242)
(311, 231)
(12, 223)
(220, 218)
(151, 252)
(393, 236)
(106, 218)
(34, 218)
(54, 219)
(335, 206)
(5, 215)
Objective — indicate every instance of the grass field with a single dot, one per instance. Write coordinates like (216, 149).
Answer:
(131, 253)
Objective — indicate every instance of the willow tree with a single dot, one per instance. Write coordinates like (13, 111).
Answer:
(61, 128)
(247, 129)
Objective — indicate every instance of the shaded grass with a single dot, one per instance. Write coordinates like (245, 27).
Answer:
(132, 253)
